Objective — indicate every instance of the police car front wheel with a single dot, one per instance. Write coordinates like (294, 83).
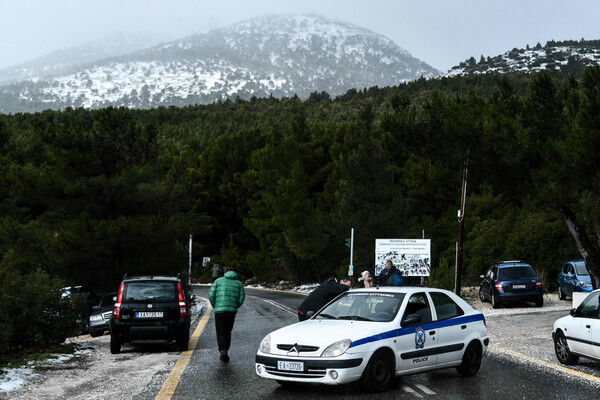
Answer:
(377, 377)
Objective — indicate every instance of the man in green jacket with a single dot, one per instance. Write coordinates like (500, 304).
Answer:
(226, 295)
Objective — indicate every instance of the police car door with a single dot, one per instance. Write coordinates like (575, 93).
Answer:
(417, 343)
(451, 332)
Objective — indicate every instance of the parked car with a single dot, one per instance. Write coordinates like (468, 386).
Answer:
(100, 318)
(573, 277)
(578, 334)
(374, 334)
(83, 300)
(150, 308)
(510, 281)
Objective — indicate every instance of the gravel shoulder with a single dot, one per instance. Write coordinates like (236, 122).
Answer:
(94, 373)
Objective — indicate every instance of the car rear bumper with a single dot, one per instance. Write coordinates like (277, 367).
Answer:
(510, 297)
(129, 331)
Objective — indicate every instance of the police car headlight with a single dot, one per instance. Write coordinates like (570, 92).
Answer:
(95, 318)
(265, 345)
(337, 349)
(584, 284)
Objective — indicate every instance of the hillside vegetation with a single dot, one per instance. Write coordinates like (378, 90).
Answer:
(273, 186)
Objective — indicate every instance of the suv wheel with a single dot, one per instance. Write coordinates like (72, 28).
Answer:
(96, 333)
(115, 345)
(561, 295)
(495, 303)
(539, 302)
(183, 340)
(481, 296)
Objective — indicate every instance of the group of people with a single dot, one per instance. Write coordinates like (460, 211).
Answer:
(227, 295)
(331, 288)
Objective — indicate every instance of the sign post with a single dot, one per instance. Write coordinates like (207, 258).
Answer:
(351, 266)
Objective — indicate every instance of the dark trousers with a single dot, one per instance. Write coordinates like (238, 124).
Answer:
(224, 324)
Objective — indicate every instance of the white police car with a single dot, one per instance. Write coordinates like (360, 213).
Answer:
(375, 334)
(578, 335)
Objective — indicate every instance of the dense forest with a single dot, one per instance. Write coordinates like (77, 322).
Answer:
(273, 186)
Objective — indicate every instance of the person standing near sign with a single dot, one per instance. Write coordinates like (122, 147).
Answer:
(390, 275)
(365, 281)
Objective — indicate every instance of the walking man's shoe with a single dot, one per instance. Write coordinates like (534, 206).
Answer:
(224, 357)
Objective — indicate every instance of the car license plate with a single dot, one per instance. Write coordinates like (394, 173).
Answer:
(149, 314)
(519, 286)
(290, 366)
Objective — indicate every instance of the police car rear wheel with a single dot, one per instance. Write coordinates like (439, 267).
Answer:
(471, 361)
(377, 377)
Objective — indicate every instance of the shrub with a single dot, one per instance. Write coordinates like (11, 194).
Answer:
(34, 312)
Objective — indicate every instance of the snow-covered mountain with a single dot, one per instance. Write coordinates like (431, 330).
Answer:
(569, 56)
(278, 55)
(65, 61)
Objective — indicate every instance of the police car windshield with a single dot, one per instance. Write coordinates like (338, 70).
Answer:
(363, 306)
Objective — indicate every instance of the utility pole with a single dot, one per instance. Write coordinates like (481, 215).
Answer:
(190, 263)
(461, 221)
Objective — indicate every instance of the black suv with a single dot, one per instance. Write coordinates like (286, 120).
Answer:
(150, 308)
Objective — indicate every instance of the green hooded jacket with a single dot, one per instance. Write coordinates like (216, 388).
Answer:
(226, 293)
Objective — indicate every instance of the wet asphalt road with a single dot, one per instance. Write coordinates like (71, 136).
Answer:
(500, 377)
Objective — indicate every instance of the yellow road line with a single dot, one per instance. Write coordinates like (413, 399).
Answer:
(168, 388)
(551, 365)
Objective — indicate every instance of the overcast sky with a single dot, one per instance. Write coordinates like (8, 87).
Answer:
(440, 32)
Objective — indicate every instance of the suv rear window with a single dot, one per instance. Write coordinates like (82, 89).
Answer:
(150, 291)
(516, 273)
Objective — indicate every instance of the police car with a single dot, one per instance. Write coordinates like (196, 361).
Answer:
(375, 334)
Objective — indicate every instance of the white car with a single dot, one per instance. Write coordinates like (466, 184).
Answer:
(578, 335)
(375, 334)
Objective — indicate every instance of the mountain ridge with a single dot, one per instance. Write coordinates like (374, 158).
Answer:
(273, 55)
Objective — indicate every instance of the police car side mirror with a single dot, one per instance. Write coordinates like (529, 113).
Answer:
(573, 312)
(411, 319)
(309, 314)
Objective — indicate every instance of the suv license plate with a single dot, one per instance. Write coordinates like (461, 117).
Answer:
(519, 286)
(149, 314)
(290, 366)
